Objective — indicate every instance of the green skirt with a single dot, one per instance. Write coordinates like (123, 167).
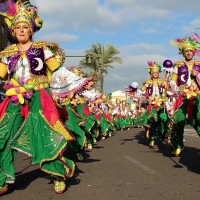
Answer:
(72, 124)
(38, 132)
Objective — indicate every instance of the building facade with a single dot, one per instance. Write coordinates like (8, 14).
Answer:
(6, 39)
(118, 94)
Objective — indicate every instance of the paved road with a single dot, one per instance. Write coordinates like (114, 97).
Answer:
(120, 167)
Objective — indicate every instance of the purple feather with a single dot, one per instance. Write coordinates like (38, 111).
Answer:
(8, 7)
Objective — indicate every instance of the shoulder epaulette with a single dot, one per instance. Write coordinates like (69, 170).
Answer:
(197, 62)
(43, 44)
(149, 81)
(160, 81)
(179, 63)
(9, 51)
(13, 49)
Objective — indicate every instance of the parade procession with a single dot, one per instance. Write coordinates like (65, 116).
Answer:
(52, 110)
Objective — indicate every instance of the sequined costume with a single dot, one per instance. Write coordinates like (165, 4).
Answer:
(29, 120)
(155, 93)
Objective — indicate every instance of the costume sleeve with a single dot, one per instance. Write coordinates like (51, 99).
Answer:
(175, 74)
(50, 60)
(144, 87)
(52, 64)
(3, 70)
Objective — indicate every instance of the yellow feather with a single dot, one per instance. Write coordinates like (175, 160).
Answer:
(21, 98)
(15, 83)
(7, 21)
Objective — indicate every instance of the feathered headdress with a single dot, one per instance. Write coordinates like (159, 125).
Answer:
(15, 13)
(131, 89)
(153, 66)
(187, 43)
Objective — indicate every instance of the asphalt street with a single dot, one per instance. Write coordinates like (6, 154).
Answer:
(120, 167)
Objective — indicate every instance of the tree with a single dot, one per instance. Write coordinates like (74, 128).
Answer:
(101, 59)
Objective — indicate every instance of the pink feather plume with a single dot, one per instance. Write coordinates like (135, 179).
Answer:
(12, 8)
(150, 63)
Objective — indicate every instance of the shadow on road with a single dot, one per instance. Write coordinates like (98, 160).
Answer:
(127, 140)
(23, 180)
(141, 138)
(95, 146)
(72, 156)
(190, 157)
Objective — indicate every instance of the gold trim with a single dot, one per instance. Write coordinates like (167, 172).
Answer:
(13, 49)
(179, 63)
(59, 128)
(197, 62)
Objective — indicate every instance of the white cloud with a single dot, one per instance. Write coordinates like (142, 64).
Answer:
(77, 14)
(143, 47)
(148, 31)
(195, 23)
(191, 27)
(59, 37)
(104, 32)
(171, 5)
(122, 21)
(118, 77)
(110, 14)
(133, 69)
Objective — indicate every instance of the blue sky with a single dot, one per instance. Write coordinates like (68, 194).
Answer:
(140, 29)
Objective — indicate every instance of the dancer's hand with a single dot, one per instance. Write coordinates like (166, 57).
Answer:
(194, 72)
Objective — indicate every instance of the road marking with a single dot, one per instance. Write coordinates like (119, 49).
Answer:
(140, 165)
(190, 130)
(195, 134)
(191, 135)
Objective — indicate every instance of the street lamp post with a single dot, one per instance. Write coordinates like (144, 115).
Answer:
(97, 60)
(87, 56)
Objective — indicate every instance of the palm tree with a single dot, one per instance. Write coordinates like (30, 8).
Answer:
(102, 58)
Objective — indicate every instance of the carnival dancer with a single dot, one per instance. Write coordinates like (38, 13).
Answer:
(91, 97)
(155, 93)
(134, 94)
(104, 119)
(29, 120)
(106, 109)
(140, 117)
(131, 117)
(185, 85)
(82, 108)
(64, 85)
(116, 114)
(124, 114)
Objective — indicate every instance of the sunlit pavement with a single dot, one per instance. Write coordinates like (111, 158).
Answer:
(120, 167)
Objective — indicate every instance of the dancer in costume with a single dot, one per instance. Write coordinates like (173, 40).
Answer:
(91, 96)
(155, 93)
(124, 116)
(185, 86)
(135, 95)
(82, 108)
(64, 85)
(29, 121)
(106, 109)
(117, 115)
(104, 118)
